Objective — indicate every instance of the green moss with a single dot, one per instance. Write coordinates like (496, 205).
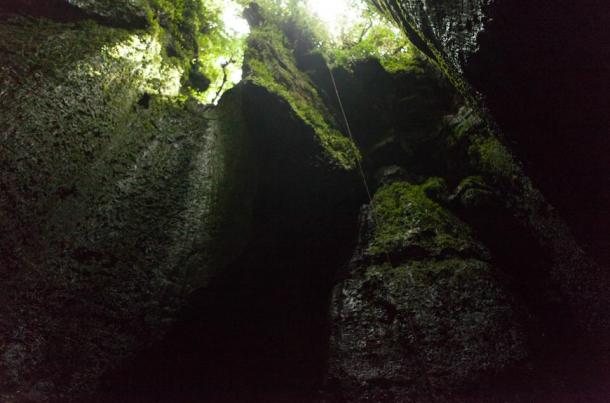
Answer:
(407, 219)
(494, 158)
(473, 182)
(471, 138)
(178, 25)
(435, 189)
(74, 126)
(182, 21)
(269, 63)
(462, 125)
(474, 194)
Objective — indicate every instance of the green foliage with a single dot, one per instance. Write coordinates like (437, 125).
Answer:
(220, 59)
(183, 19)
(370, 35)
(195, 37)
(294, 19)
(279, 10)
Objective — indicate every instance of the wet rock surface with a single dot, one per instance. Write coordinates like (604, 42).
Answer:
(448, 29)
(542, 69)
(110, 204)
(157, 250)
(420, 325)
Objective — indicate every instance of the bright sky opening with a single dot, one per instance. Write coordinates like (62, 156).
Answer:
(336, 14)
(233, 20)
(235, 27)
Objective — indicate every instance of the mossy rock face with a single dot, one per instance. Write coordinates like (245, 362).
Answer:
(470, 147)
(270, 63)
(396, 118)
(422, 316)
(407, 221)
(115, 191)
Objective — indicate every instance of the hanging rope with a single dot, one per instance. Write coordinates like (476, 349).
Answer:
(358, 163)
(349, 131)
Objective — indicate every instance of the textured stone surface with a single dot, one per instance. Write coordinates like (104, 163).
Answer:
(432, 323)
(449, 32)
(567, 268)
(119, 196)
(449, 28)
(115, 196)
(124, 13)
(520, 56)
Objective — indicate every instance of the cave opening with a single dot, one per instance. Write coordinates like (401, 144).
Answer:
(260, 330)
(294, 201)
(344, 31)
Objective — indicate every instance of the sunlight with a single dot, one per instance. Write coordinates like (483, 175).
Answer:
(225, 68)
(233, 20)
(336, 15)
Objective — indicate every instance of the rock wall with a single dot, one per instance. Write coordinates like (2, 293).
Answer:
(542, 70)
(423, 313)
(261, 331)
(490, 190)
(446, 30)
(454, 217)
(125, 205)
(117, 194)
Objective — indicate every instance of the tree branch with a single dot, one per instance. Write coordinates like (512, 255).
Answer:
(225, 78)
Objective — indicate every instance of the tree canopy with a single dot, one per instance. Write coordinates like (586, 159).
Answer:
(354, 32)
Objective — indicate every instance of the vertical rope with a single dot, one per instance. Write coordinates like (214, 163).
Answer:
(366, 186)
(358, 163)
(349, 131)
